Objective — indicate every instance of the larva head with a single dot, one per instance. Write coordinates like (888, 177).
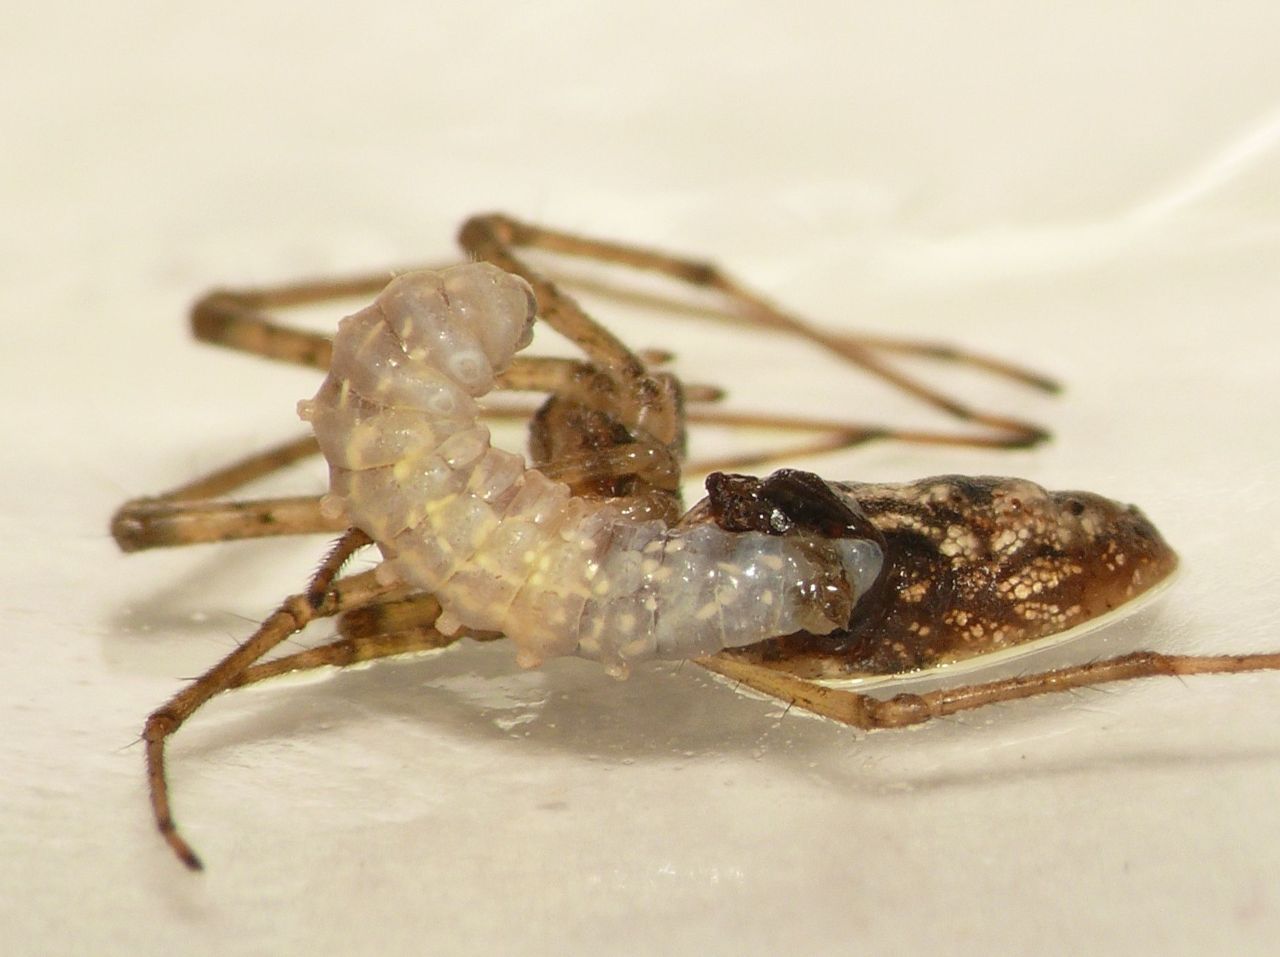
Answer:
(467, 320)
(499, 305)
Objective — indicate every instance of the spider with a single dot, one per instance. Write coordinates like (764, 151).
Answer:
(782, 584)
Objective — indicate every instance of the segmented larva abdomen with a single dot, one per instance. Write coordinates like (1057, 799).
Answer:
(503, 547)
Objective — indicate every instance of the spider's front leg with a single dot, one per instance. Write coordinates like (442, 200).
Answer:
(495, 237)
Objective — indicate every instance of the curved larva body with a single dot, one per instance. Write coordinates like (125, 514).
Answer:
(506, 549)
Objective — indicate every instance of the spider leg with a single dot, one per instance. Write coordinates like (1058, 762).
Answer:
(483, 233)
(238, 319)
(870, 713)
(619, 385)
(937, 351)
(343, 652)
(241, 319)
(381, 629)
(191, 513)
(646, 404)
(822, 436)
(194, 513)
(323, 598)
(161, 523)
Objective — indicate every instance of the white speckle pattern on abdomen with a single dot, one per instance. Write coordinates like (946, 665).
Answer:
(503, 547)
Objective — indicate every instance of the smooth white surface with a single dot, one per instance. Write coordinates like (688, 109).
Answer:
(1093, 192)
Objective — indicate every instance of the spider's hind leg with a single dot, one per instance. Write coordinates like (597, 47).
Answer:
(870, 713)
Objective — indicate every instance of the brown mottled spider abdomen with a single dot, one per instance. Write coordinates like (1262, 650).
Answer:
(975, 565)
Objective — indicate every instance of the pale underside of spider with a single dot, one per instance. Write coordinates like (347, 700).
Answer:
(964, 567)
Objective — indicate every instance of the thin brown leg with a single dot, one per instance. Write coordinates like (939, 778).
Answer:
(645, 403)
(348, 651)
(181, 517)
(227, 479)
(939, 351)
(869, 713)
(829, 435)
(393, 614)
(753, 309)
(381, 629)
(192, 514)
(241, 320)
(157, 523)
(186, 516)
(291, 617)
(237, 318)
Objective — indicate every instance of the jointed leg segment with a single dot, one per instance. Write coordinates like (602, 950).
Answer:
(494, 236)
(870, 713)
(191, 513)
(322, 599)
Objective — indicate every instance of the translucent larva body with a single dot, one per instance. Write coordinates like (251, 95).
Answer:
(507, 549)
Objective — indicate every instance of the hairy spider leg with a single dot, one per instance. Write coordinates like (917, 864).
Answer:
(323, 598)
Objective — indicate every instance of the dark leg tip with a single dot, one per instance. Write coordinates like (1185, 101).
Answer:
(182, 849)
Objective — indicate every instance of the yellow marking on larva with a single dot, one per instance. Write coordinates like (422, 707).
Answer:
(636, 648)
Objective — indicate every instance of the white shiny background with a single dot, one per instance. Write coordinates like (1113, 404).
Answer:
(1093, 191)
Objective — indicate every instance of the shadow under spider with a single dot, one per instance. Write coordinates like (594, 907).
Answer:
(472, 695)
